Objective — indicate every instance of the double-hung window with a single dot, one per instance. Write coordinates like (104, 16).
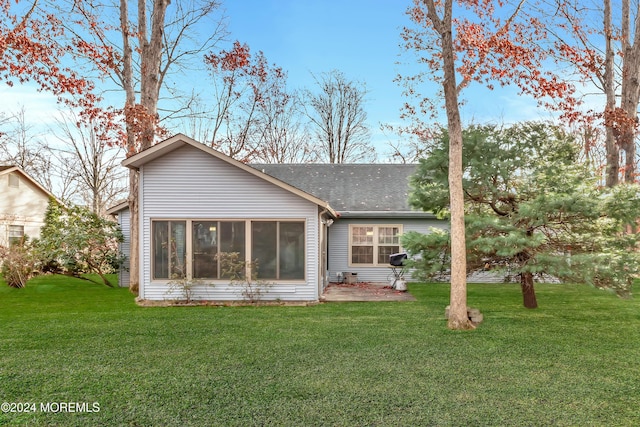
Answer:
(16, 234)
(371, 245)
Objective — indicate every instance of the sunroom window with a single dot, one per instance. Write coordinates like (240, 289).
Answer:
(169, 249)
(211, 240)
(275, 248)
(278, 249)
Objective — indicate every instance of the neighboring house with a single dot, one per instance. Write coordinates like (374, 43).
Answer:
(23, 204)
(305, 225)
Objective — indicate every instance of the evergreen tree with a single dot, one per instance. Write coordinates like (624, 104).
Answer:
(531, 210)
(76, 241)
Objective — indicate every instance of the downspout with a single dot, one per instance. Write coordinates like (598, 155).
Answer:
(141, 243)
(323, 250)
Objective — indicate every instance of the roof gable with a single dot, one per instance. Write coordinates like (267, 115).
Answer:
(122, 206)
(169, 145)
(7, 169)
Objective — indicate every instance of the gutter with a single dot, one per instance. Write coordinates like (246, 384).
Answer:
(387, 214)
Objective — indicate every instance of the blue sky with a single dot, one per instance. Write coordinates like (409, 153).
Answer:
(360, 38)
(357, 37)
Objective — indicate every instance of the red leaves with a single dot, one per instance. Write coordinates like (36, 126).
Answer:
(235, 59)
(495, 42)
(31, 51)
(618, 119)
(252, 91)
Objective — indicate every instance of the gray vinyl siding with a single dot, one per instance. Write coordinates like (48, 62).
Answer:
(190, 184)
(339, 245)
(124, 220)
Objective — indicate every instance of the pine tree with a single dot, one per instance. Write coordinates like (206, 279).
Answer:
(532, 210)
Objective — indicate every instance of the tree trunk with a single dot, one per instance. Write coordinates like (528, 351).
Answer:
(130, 101)
(630, 96)
(151, 59)
(611, 144)
(140, 138)
(134, 227)
(528, 292)
(458, 318)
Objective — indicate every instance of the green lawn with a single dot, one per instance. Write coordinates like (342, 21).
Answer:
(574, 361)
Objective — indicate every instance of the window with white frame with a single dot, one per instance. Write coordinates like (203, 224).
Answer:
(371, 245)
(277, 248)
(16, 234)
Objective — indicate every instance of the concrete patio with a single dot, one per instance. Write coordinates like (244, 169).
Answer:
(363, 291)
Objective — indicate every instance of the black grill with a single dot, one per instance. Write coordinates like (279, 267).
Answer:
(397, 260)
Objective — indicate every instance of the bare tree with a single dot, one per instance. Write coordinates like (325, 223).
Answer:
(137, 51)
(284, 137)
(340, 121)
(63, 183)
(247, 97)
(92, 166)
(21, 146)
(80, 170)
(407, 147)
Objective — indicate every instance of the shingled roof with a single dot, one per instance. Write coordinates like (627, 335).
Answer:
(351, 189)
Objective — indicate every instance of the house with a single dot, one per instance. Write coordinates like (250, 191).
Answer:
(304, 225)
(23, 204)
(122, 216)
(372, 201)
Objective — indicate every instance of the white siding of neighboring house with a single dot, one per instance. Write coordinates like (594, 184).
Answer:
(191, 184)
(25, 205)
(339, 245)
(125, 226)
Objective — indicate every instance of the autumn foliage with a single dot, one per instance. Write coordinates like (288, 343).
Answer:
(250, 94)
(36, 47)
(495, 43)
(558, 53)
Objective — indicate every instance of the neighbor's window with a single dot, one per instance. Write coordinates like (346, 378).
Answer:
(372, 244)
(212, 238)
(169, 249)
(16, 234)
(14, 180)
(277, 247)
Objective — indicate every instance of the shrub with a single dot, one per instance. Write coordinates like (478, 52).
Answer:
(233, 267)
(75, 241)
(19, 264)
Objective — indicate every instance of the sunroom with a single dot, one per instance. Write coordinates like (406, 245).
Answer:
(207, 218)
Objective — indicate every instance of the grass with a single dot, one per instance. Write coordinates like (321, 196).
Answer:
(574, 361)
